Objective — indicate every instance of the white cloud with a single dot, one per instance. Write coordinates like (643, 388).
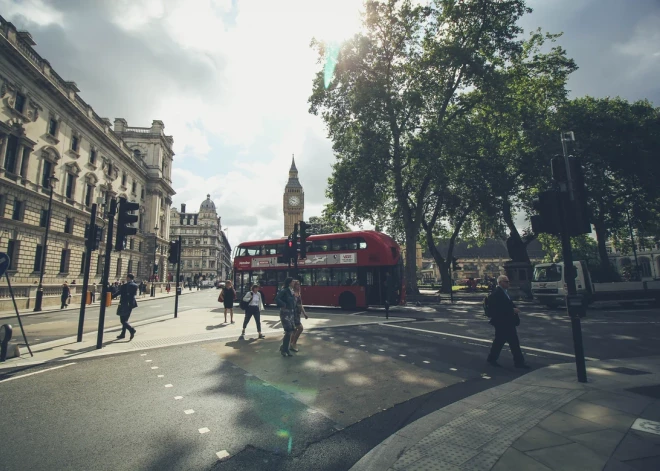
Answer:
(39, 11)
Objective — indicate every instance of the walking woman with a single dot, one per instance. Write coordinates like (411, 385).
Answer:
(287, 304)
(227, 296)
(253, 309)
(66, 294)
(300, 309)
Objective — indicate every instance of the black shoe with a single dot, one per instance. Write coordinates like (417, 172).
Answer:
(132, 335)
(494, 363)
(523, 366)
(121, 337)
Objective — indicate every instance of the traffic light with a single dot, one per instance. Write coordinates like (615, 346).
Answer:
(547, 220)
(93, 237)
(124, 220)
(173, 252)
(454, 264)
(302, 245)
(577, 211)
(294, 240)
(288, 252)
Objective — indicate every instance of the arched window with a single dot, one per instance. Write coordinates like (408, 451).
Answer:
(645, 267)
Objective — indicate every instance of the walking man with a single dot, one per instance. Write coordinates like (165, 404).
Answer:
(127, 302)
(504, 316)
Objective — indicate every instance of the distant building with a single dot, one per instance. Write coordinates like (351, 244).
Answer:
(648, 259)
(205, 251)
(477, 261)
(293, 201)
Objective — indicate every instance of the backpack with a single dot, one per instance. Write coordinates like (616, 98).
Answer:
(486, 306)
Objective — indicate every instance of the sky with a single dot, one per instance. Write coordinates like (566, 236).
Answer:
(231, 79)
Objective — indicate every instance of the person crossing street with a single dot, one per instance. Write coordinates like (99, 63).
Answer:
(504, 316)
(127, 303)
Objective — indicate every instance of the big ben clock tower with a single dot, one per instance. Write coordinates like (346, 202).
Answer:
(294, 200)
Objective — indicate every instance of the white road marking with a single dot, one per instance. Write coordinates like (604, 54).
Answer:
(36, 372)
(169, 385)
(381, 350)
(204, 430)
(148, 361)
(362, 345)
(486, 377)
(154, 367)
(453, 369)
(426, 361)
(222, 454)
(143, 354)
(188, 411)
(177, 398)
(248, 374)
(401, 355)
(345, 341)
(562, 354)
(161, 376)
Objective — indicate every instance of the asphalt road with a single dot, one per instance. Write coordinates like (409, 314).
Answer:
(116, 413)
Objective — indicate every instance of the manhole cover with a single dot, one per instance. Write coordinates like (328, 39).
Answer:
(650, 391)
(628, 371)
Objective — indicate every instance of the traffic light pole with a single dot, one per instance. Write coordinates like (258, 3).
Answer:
(88, 259)
(106, 271)
(178, 289)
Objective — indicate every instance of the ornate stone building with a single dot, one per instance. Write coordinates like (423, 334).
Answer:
(46, 130)
(205, 250)
(293, 202)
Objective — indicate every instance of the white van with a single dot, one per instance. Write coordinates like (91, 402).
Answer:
(549, 284)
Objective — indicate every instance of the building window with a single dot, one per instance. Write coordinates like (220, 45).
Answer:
(25, 161)
(19, 104)
(92, 156)
(89, 195)
(12, 252)
(17, 215)
(46, 173)
(11, 155)
(99, 265)
(43, 218)
(52, 127)
(140, 246)
(109, 169)
(75, 143)
(134, 188)
(130, 267)
(64, 260)
(37, 258)
(70, 186)
(82, 264)
(68, 226)
(123, 179)
(139, 267)
(118, 272)
(142, 194)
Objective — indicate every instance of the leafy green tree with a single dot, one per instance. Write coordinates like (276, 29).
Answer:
(399, 83)
(328, 223)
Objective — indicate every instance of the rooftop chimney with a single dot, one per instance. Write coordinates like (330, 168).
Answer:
(183, 207)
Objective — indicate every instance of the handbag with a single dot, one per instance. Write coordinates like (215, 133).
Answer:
(245, 303)
(221, 297)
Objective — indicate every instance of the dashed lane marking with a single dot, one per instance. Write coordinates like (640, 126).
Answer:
(222, 454)
(36, 372)
(562, 354)
(148, 361)
(178, 398)
(143, 354)
(188, 411)
(453, 369)
(161, 376)
(204, 430)
(426, 361)
(154, 367)
(169, 385)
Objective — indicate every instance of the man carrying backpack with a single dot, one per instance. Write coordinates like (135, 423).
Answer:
(504, 316)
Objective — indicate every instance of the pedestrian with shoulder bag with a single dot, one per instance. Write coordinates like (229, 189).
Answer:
(253, 306)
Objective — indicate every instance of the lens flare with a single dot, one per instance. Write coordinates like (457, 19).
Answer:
(331, 56)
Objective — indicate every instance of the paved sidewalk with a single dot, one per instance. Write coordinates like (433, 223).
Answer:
(542, 421)
(30, 312)
(191, 326)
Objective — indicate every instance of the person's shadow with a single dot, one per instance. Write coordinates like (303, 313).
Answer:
(219, 326)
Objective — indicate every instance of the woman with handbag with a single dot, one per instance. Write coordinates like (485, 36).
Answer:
(66, 294)
(227, 296)
(299, 310)
(253, 307)
(287, 304)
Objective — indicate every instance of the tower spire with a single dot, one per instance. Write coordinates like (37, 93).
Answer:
(293, 164)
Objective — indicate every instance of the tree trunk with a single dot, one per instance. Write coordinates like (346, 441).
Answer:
(411, 260)
(515, 245)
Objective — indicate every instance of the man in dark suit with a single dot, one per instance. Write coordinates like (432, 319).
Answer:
(127, 302)
(504, 317)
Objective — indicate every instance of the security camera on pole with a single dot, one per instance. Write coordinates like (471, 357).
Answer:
(563, 211)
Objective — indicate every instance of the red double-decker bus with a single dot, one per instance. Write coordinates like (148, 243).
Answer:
(348, 270)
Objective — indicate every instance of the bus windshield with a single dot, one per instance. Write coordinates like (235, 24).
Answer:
(551, 273)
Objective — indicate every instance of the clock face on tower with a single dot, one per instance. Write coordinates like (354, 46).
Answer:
(294, 201)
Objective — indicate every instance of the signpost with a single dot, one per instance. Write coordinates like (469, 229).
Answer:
(4, 265)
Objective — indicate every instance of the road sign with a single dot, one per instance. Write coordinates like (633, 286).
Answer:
(4, 263)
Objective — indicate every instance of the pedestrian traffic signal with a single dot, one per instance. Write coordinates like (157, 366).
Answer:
(577, 210)
(124, 220)
(547, 206)
(294, 240)
(302, 245)
(93, 236)
(454, 264)
(173, 252)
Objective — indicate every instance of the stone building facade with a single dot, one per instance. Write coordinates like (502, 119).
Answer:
(293, 201)
(46, 130)
(205, 250)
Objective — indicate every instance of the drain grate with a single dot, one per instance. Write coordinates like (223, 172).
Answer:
(650, 391)
(628, 371)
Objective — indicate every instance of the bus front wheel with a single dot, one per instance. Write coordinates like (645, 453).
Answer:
(347, 301)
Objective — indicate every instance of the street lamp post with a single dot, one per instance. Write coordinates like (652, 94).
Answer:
(153, 268)
(42, 264)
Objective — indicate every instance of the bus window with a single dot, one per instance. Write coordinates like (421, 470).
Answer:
(320, 246)
(305, 276)
(268, 278)
(253, 251)
(256, 278)
(269, 250)
(339, 244)
(281, 276)
(345, 277)
(322, 277)
(362, 244)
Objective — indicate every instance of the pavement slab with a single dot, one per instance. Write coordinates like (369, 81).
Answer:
(513, 459)
(536, 438)
(603, 442)
(571, 457)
